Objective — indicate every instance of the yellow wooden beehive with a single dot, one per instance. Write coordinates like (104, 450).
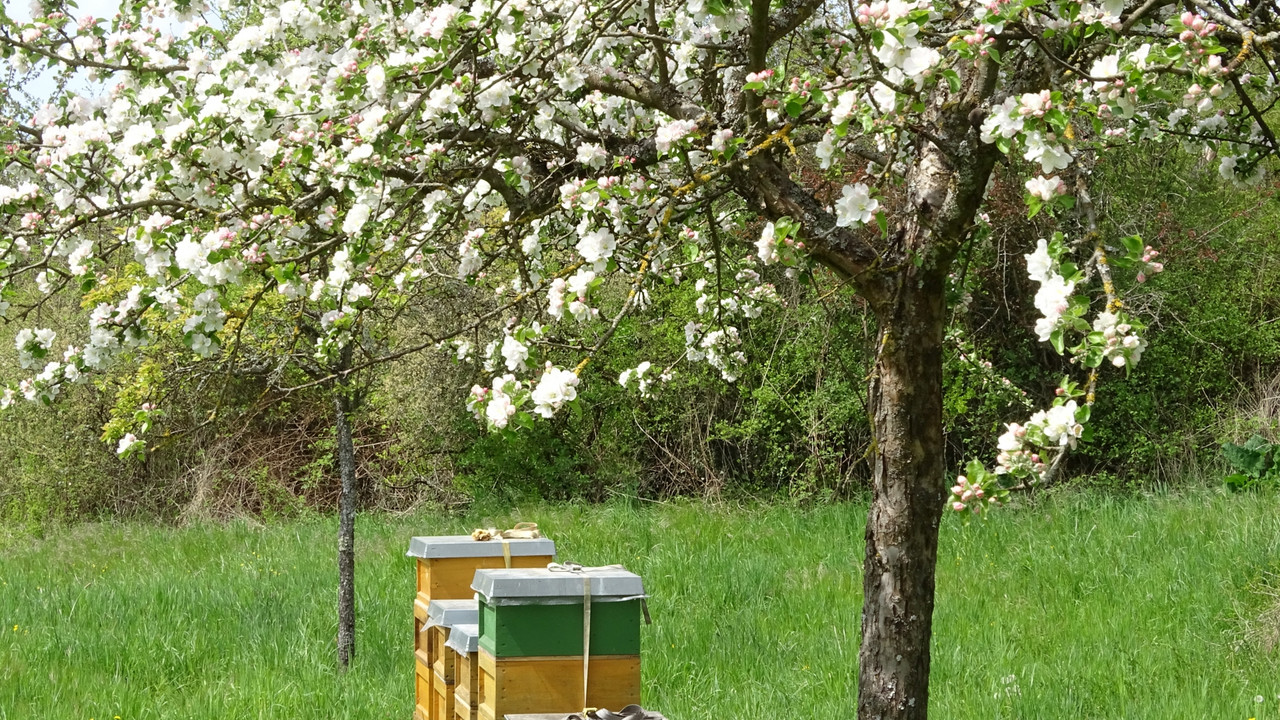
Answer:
(446, 566)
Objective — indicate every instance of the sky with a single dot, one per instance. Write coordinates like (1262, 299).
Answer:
(20, 11)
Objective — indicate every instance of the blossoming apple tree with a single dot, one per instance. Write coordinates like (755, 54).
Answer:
(570, 158)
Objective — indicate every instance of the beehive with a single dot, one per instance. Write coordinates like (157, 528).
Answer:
(464, 642)
(534, 630)
(447, 564)
(446, 567)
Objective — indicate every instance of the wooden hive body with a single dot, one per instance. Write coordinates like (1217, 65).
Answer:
(554, 684)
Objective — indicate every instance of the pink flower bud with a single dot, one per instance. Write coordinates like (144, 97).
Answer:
(957, 506)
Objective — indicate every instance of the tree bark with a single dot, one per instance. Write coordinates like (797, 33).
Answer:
(346, 532)
(906, 509)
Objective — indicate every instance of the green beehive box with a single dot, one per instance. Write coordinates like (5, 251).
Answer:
(539, 613)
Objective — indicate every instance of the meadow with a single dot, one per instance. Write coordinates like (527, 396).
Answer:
(1068, 607)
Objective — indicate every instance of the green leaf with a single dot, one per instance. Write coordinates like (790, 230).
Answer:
(953, 80)
(1134, 246)
(1237, 482)
(1257, 442)
(975, 470)
(1034, 205)
(1055, 339)
(883, 222)
(1057, 119)
(1251, 461)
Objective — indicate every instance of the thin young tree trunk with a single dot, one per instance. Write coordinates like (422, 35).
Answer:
(346, 532)
(906, 509)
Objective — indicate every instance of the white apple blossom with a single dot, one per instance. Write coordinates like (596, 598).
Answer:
(1045, 188)
(592, 155)
(855, 206)
(767, 246)
(1040, 264)
(554, 389)
(670, 133)
(597, 245)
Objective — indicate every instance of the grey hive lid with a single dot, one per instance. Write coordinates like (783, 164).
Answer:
(519, 584)
(462, 546)
(453, 612)
(464, 639)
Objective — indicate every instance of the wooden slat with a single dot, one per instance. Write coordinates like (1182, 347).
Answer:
(424, 577)
(441, 699)
(466, 678)
(463, 708)
(442, 657)
(419, 634)
(422, 686)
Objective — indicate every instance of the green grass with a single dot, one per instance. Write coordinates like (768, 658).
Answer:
(1098, 607)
